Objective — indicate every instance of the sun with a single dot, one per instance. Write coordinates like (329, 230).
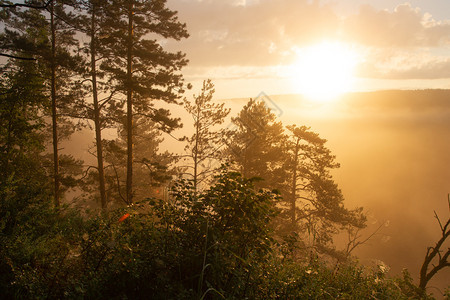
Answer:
(324, 71)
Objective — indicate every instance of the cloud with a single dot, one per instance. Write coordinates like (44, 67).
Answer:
(435, 69)
(391, 63)
(404, 27)
(261, 33)
(264, 33)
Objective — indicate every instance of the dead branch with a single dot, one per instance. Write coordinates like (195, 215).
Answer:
(354, 239)
(435, 254)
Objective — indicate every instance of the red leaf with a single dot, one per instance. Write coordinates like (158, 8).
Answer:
(122, 218)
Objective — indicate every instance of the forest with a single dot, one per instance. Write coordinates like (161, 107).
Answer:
(248, 210)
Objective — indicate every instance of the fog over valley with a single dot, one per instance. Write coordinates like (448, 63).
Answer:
(394, 153)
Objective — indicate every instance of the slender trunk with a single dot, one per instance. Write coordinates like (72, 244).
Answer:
(294, 185)
(7, 157)
(130, 106)
(97, 122)
(196, 148)
(53, 97)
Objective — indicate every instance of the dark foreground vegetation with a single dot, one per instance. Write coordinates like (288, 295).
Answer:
(214, 244)
(248, 211)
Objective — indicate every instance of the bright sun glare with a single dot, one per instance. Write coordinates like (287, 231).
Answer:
(324, 71)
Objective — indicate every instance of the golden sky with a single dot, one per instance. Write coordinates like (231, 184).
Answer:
(251, 46)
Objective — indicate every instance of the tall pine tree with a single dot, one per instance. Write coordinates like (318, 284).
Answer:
(313, 203)
(298, 164)
(204, 146)
(23, 179)
(141, 69)
(44, 36)
(98, 97)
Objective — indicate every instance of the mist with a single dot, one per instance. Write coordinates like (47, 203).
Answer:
(394, 151)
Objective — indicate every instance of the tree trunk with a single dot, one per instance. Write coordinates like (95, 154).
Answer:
(433, 253)
(294, 185)
(53, 97)
(197, 131)
(130, 106)
(97, 122)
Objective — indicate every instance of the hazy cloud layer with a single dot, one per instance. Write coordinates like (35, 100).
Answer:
(266, 33)
(261, 34)
(404, 27)
(388, 63)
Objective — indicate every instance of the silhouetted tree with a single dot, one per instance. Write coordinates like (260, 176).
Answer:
(99, 109)
(297, 164)
(23, 177)
(315, 204)
(205, 144)
(152, 166)
(22, 100)
(28, 32)
(140, 68)
(255, 146)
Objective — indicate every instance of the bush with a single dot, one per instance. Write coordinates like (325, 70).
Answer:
(213, 244)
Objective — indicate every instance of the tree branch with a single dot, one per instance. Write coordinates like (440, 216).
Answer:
(442, 260)
(44, 6)
(17, 57)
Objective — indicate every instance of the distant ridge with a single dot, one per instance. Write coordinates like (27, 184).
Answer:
(414, 99)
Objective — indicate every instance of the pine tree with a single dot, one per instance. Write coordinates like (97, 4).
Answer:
(52, 61)
(62, 67)
(44, 36)
(204, 146)
(23, 177)
(29, 33)
(152, 166)
(22, 99)
(141, 69)
(298, 165)
(91, 106)
(256, 145)
(314, 203)
(97, 122)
